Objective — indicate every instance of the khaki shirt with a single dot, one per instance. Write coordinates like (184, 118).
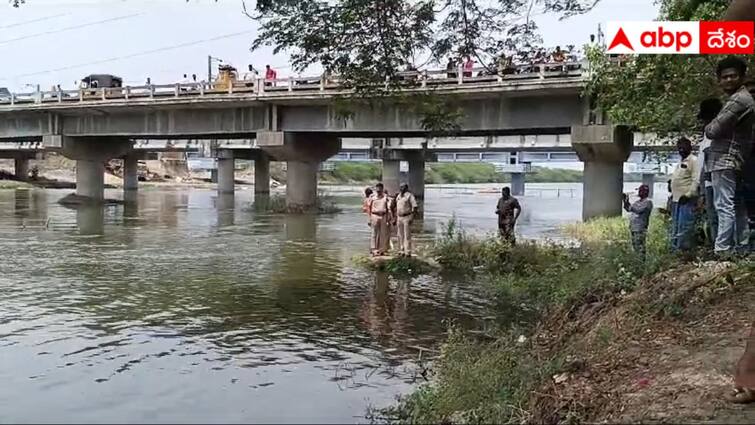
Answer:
(379, 206)
(686, 178)
(405, 204)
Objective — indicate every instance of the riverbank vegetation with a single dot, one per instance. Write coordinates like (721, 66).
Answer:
(276, 204)
(590, 332)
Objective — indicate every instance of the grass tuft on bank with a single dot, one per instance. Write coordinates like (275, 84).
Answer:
(540, 288)
(277, 205)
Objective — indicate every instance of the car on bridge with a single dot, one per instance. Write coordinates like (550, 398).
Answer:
(5, 95)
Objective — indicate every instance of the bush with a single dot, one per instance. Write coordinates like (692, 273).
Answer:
(277, 205)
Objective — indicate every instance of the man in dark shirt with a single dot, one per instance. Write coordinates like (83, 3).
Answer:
(508, 210)
(730, 134)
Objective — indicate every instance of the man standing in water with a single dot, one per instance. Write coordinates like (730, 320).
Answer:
(639, 218)
(406, 208)
(507, 216)
(379, 210)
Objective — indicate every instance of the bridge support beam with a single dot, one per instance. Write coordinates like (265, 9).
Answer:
(90, 179)
(517, 184)
(649, 180)
(391, 175)
(90, 154)
(303, 153)
(262, 174)
(417, 177)
(130, 173)
(603, 149)
(226, 172)
(21, 168)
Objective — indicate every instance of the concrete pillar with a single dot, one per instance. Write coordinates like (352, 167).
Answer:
(262, 174)
(214, 175)
(649, 180)
(22, 168)
(303, 153)
(226, 175)
(391, 175)
(603, 186)
(603, 149)
(301, 185)
(417, 178)
(517, 184)
(90, 179)
(130, 173)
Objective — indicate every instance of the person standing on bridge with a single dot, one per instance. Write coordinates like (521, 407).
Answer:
(730, 134)
(406, 209)
(380, 218)
(684, 188)
(639, 218)
(508, 211)
(270, 76)
(468, 66)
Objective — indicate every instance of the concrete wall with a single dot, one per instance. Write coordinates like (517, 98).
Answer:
(481, 116)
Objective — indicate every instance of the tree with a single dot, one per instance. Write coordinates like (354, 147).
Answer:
(660, 93)
(367, 43)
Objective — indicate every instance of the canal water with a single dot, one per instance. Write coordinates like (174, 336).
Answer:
(192, 308)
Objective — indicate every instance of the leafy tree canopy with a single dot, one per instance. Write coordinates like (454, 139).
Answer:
(659, 93)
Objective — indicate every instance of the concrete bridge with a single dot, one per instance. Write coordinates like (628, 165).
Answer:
(297, 120)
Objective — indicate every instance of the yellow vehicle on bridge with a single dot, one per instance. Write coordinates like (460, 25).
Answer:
(227, 75)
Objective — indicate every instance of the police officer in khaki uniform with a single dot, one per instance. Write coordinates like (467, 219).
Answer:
(406, 208)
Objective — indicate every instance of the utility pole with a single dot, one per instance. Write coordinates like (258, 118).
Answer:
(209, 69)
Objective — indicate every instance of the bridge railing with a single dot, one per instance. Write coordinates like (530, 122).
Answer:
(274, 87)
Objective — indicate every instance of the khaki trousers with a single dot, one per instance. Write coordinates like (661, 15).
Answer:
(380, 235)
(404, 225)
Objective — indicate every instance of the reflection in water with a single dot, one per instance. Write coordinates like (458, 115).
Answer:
(90, 219)
(165, 309)
(261, 201)
(225, 204)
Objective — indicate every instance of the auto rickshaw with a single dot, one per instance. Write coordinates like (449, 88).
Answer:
(97, 81)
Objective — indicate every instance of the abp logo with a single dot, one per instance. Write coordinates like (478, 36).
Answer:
(687, 38)
(653, 37)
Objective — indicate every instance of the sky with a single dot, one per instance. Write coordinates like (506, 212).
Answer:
(50, 42)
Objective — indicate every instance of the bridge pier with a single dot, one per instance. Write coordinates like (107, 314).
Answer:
(130, 173)
(517, 184)
(391, 175)
(90, 179)
(603, 149)
(21, 168)
(649, 180)
(226, 172)
(90, 154)
(262, 174)
(417, 177)
(303, 153)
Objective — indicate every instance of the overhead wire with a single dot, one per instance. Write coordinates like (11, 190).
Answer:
(32, 21)
(133, 55)
(75, 27)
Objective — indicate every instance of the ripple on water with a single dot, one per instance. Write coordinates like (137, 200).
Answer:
(178, 303)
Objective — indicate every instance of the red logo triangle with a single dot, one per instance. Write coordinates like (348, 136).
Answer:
(621, 39)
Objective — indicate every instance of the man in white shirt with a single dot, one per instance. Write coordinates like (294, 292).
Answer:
(684, 187)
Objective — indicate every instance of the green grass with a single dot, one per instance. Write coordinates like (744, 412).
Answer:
(397, 266)
(491, 382)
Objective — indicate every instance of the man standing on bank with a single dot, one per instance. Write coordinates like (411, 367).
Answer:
(508, 210)
(406, 209)
(639, 218)
(684, 188)
(730, 134)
